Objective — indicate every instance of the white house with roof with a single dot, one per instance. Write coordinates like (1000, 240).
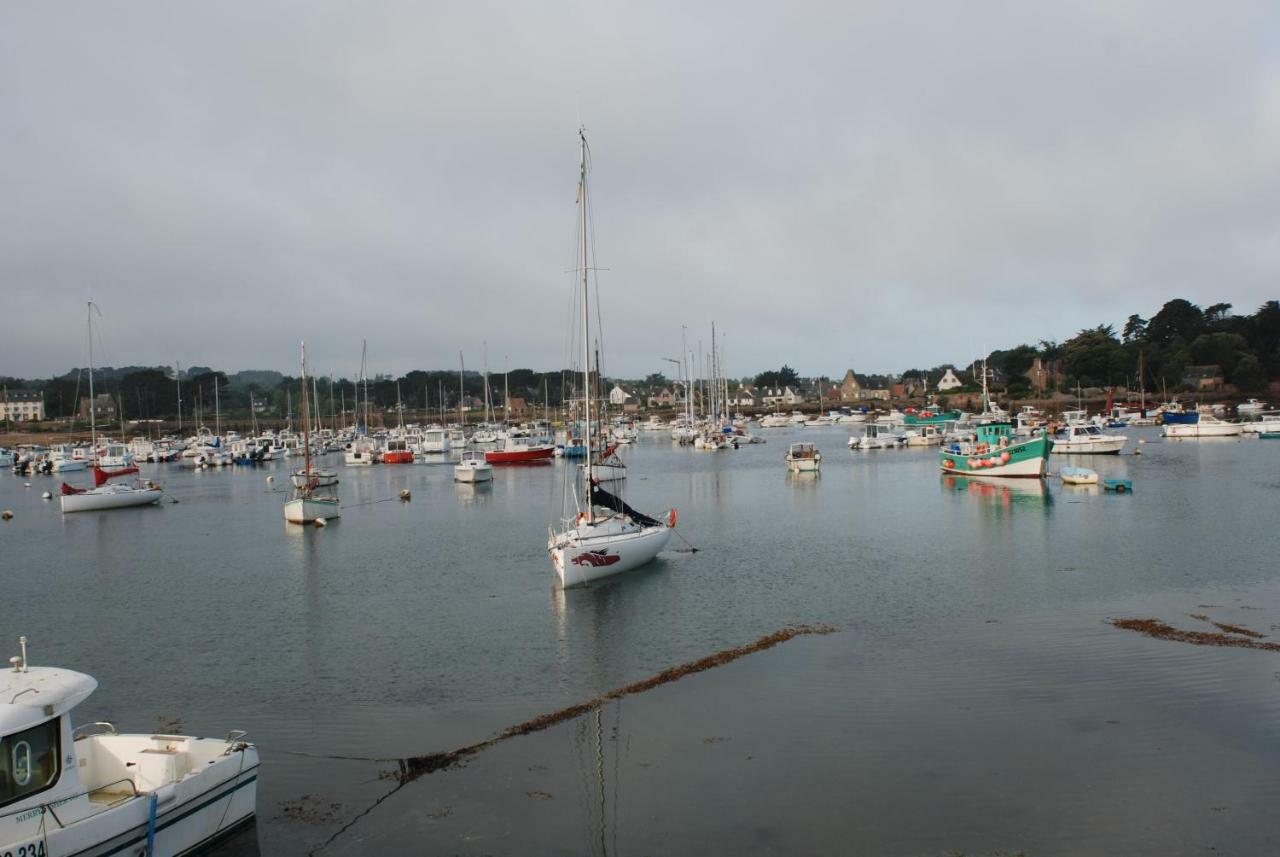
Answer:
(774, 396)
(618, 396)
(949, 381)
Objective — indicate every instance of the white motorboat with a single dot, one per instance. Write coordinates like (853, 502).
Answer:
(1198, 424)
(6, 457)
(435, 441)
(472, 468)
(803, 458)
(305, 507)
(1260, 423)
(1078, 438)
(877, 436)
(924, 434)
(361, 453)
(775, 420)
(63, 458)
(92, 790)
(855, 417)
(1251, 407)
(606, 537)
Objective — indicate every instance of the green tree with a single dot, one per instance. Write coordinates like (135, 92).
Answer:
(1134, 328)
(1249, 374)
(1219, 349)
(1177, 319)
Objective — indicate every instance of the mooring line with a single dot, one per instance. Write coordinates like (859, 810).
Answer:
(414, 767)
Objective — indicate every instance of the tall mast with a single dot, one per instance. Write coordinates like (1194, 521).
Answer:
(177, 376)
(364, 376)
(462, 390)
(306, 431)
(506, 391)
(217, 408)
(93, 403)
(586, 312)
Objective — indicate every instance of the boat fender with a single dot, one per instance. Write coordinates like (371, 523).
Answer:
(671, 518)
(1137, 452)
(1005, 456)
(973, 464)
(271, 479)
(405, 496)
(947, 463)
(320, 522)
(982, 448)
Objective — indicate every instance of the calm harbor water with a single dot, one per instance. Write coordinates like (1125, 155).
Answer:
(974, 699)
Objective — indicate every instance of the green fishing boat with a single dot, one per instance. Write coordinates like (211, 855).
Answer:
(994, 451)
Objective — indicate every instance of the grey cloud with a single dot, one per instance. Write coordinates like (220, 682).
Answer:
(869, 184)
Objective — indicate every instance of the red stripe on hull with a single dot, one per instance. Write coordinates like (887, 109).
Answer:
(397, 458)
(502, 456)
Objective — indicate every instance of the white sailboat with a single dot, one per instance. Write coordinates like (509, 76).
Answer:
(306, 507)
(606, 537)
(104, 495)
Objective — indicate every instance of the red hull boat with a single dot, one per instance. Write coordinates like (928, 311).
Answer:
(519, 453)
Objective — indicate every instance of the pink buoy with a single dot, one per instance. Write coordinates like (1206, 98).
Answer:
(1004, 456)
(973, 464)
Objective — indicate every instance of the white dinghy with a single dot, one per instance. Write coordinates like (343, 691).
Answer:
(66, 791)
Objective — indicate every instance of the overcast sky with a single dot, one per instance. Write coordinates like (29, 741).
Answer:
(875, 185)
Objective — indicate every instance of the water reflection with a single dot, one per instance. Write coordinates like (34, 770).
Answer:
(598, 757)
(473, 493)
(1000, 493)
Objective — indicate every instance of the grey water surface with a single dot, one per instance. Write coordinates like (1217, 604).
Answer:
(974, 699)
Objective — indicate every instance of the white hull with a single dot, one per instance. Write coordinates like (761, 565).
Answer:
(462, 473)
(110, 497)
(358, 459)
(803, 465)
(210, 801)
(307, 511)
(67, 465)
(319, 479)
(1202, 430)
(1031, 467)
(1108, 445)
(586, 554)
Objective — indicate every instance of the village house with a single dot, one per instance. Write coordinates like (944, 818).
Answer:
(1203, 378)
(949, 381)
(850, 387)
(746, 398)
(517, 407)
(772, 397)
(617, 395)
(21, 405)
(104, 408)
(665, 398)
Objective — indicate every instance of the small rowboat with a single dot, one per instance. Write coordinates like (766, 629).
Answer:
(1078, 476)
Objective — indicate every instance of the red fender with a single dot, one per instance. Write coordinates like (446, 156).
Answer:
(671, 518)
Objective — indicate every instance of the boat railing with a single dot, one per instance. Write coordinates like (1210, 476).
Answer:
(107, 789)
(234, 738)
(80, 731)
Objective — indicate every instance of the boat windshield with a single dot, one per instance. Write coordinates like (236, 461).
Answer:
(29, 761)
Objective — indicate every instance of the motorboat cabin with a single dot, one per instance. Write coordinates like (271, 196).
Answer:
(90, 790)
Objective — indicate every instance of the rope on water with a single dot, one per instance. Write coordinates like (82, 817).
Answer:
(691, 548)
(368, 503)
